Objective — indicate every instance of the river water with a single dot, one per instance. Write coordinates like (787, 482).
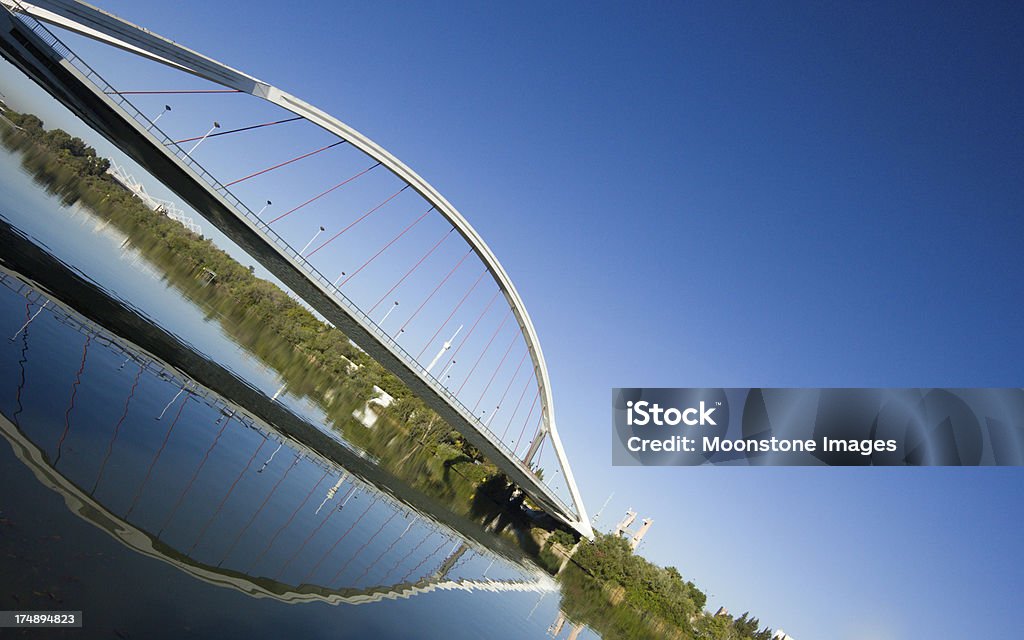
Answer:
(162, 508)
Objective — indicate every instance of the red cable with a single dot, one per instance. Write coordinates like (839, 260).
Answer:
(510, 381)
(436, 289)
(418, 356)
(444, 541)
(496, 370)
(338, 541)
(252, 519)
(195, 475)
(288, 521)
(384, 248)
(482, 353)
(527, 421)
(227, 495)
(360, 550)
(406, 556)
(360, 219)
(117, 429)
(516, 410)
(317, 197)
(543, 442)
(471, 330)
(278, 166)
(71, 406)
(156, 458)
(414, 267)
(302, 546)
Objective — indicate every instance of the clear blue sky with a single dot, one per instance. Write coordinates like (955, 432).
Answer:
(724, 195)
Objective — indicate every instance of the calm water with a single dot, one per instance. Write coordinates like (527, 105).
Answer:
(162, 509)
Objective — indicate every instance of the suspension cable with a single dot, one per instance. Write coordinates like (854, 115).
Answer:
(285, 163)
(496, 370)
(358, 220)
(384, 248)
(240, 129)
(473, 328)
(518, 404)
(436, 289)
(527, 421)
(510, 381)
(408, 273)
(494, 335)
(318, 196)
(427, 345)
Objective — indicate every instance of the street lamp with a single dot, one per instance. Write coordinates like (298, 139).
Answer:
(264, 208)
(393, 307)
(340, 276)
(321, 230)
(167, 108)
(216, 125)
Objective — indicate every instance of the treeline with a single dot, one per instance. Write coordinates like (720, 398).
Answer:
(84, 177)
(659, 595)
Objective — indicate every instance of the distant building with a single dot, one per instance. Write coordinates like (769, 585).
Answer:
(622, 529)
(165, 207)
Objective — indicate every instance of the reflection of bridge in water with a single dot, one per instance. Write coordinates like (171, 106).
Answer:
(49, 62)
(278, 534)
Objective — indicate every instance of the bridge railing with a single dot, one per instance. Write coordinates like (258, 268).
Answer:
(272, 236)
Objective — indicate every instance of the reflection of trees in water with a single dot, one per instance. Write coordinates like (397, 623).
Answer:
(585, 601)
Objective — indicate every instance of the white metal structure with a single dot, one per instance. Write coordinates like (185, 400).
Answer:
(166, 207)
(99, 25)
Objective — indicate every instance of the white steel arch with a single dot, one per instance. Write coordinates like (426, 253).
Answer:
(105, 27)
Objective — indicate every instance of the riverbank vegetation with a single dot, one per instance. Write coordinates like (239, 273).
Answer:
(623, 595)
(316, 360)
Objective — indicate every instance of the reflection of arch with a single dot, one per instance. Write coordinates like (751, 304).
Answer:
(327, 454)
(109, 29)
(83, 505)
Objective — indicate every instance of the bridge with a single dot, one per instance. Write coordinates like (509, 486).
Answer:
(41, 55)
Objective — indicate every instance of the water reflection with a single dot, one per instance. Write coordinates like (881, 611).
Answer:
(178, 473)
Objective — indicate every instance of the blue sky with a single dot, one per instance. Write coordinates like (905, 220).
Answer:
(723, 195)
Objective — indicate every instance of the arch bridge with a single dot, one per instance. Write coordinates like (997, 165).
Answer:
(32, 47)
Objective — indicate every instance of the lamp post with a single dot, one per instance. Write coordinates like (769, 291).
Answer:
(321, 230)
(393, 307)
(167, 108)
(216, 125)
(340, 276)
(264, 208)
